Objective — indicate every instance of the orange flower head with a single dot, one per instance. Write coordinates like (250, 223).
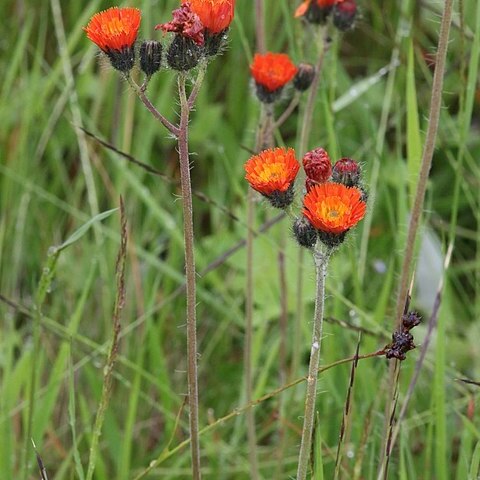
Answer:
(333, 208)
(216, 15)
(271, 72)
(272, 173)
(114, 29)
(316, 11)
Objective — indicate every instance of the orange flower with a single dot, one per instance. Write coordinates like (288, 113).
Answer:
(302, 9)
(272, 171)
(114, 29)
(216, 15)
(272, 71)
(334, 208)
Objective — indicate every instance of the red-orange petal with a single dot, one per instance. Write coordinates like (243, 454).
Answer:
(115, 28)
(272, 70)
(302, 8)
(216, 15)
(333, 207)
(273, 170)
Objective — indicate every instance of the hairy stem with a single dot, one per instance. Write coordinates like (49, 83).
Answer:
(173, 129)
(302, 148)
(186, 188)
(321, 262)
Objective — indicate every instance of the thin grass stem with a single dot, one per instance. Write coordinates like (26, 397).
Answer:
(113, 351)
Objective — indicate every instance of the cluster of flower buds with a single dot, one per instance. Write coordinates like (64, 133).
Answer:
(334, 202)
(342, 12)
(271, 72)
(199, 28)
(402, 340)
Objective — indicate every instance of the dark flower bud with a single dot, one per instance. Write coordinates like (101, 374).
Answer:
(402, 342)
(317, 165)
(150, 57)
(411, 320)
(344, 15)
(304, 77)
(347, 172)
(305, 234)
(183, 54)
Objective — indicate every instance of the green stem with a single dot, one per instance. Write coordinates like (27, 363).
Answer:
(306, 128)
(190, 276)
(321, 258)
(173, 129)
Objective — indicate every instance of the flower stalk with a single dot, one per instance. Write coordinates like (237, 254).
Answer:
(187, 205)
(321, 256)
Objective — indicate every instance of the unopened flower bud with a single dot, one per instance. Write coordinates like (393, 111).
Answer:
(344, 14)
(183, 54)
(347, 172)
(304, 77)
(411, 320)
(150, 57)
(305, 234)
(317, 165)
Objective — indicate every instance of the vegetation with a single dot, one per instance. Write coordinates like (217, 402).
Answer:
(72, 130)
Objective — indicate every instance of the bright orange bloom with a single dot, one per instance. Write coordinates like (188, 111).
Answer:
(216, 15)
(272, 170)
(272, 70)
(302, 9)
(334, 208)
(114, 29)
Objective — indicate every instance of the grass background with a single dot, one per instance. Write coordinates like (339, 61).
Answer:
(372, 106)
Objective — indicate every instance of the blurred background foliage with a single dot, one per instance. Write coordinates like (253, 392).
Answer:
(53, 178)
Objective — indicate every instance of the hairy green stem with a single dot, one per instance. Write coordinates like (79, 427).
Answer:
(302, 148)
(173, 129)
(321, 258)
(188, 233)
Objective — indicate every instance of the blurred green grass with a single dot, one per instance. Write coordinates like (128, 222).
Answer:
(46, 193)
